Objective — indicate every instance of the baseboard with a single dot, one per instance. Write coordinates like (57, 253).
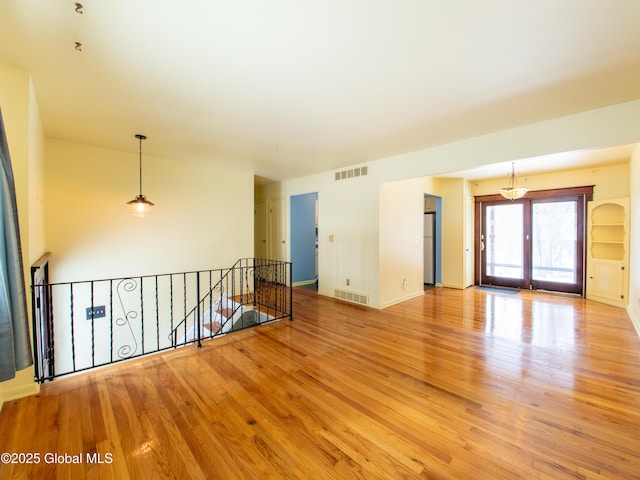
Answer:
(21, 386)
(634, 320)
(304, 282)
(20, 391)
(400, 300)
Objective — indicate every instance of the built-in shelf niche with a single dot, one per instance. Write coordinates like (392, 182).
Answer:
(608, 251)
(608, 232)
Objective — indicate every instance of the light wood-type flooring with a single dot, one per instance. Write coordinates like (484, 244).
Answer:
(454, 384)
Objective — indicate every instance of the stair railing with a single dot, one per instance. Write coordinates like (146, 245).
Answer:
(87, 324)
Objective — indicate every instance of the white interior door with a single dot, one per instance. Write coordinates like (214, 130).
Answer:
(277, 246)
(260, 229)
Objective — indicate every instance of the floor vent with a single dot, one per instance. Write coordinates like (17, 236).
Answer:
(352, 173)
(353, 297)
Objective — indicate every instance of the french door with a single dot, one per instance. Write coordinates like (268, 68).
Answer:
(536, 242)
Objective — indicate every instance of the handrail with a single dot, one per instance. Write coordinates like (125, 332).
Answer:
(172, 335)
(237, 300)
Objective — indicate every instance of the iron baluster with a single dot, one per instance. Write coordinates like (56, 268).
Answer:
(73, 341)
(142, 315)
(93, 328)
(111, 319)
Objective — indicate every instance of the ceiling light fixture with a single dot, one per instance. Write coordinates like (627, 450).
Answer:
(513, 192)
(140, 206)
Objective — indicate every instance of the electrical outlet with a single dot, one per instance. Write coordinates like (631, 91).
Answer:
(348, 282)
(95, 312)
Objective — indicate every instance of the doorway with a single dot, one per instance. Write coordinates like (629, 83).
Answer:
(432, 241)
(535, 242)
(304, 239)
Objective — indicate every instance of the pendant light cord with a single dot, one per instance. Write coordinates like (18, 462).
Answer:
(140, 138)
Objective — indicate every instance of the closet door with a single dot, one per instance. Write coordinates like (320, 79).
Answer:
(260, 229)
(277, 229)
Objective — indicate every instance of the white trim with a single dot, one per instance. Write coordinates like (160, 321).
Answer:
(635, 321)
(304, 282)
(400, 300)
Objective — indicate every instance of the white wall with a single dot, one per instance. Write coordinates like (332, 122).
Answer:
(353, 253)
(202, 217)
(634, 259)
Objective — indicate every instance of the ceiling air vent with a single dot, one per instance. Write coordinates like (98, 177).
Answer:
(352, 173)
(352, 297)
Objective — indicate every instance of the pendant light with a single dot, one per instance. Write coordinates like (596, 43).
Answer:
(513, 192)
(140, 206)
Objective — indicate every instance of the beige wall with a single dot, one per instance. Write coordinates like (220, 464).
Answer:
(453, 231)
(25, 139)
(401, 240)
(35, 174)
(610, 181)
(202, 218)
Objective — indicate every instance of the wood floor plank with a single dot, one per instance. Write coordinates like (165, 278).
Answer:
(454, 384)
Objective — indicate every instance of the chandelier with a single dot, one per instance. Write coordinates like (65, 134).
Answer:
(513, 192)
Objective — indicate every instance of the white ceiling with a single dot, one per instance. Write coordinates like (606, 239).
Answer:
(287, 88)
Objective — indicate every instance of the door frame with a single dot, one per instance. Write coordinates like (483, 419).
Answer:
(526, 246)
(586, 192)
(42, 319)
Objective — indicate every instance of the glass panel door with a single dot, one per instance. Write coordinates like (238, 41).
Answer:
(556, 247)
(533, 243)
(503, 255)
(554, 242)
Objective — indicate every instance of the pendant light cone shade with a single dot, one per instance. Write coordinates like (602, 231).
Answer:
(513, 192)
(140, 206)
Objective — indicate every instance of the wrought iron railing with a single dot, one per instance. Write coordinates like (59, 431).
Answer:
(82, 325)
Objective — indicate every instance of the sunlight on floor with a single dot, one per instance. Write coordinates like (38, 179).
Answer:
(546, 325)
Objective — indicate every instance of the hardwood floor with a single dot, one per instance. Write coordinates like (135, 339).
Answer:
(456, 384)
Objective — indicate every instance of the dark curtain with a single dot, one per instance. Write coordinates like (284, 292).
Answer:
(15, 348)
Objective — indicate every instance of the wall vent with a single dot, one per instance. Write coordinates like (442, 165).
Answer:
(360, 298)
(352, 173)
